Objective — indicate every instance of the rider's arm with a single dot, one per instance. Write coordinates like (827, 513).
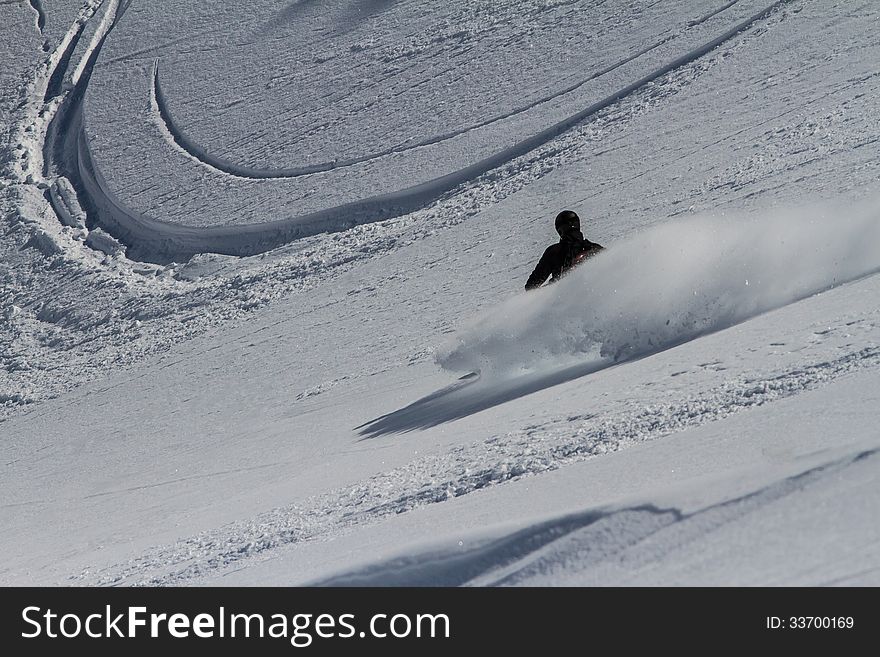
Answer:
(542, 270)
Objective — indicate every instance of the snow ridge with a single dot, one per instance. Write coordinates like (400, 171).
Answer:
(527, 557)
(453, 568)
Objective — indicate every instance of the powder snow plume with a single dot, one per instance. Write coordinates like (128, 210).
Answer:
(670, 284)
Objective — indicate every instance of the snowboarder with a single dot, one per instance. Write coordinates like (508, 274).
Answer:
(571, 250)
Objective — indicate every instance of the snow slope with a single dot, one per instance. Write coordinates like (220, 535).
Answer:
(719, 505)
(693, 406)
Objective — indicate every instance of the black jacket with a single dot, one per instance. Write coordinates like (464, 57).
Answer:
(560, 257)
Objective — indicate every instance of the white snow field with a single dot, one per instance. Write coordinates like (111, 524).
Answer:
(254, 253)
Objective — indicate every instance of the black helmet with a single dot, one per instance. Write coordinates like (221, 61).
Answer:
(566, 220)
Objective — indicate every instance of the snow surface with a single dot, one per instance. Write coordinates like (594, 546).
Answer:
(247, 255)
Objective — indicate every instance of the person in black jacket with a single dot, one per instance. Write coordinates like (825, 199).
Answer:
(571, 250)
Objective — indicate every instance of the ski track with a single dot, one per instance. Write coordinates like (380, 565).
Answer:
(53, 88)
(434, 479)
(37, 6)
(188, 39)
(217, 549)
(43, 100)
(156, 241)
(712, 14)
(240, 288)
(179, 139)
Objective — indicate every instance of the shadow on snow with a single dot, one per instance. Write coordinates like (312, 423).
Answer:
(470, 394)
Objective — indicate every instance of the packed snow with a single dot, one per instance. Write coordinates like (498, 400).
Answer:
(262, 310)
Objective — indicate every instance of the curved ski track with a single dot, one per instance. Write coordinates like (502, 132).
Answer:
(239, 171)
(153, 240)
